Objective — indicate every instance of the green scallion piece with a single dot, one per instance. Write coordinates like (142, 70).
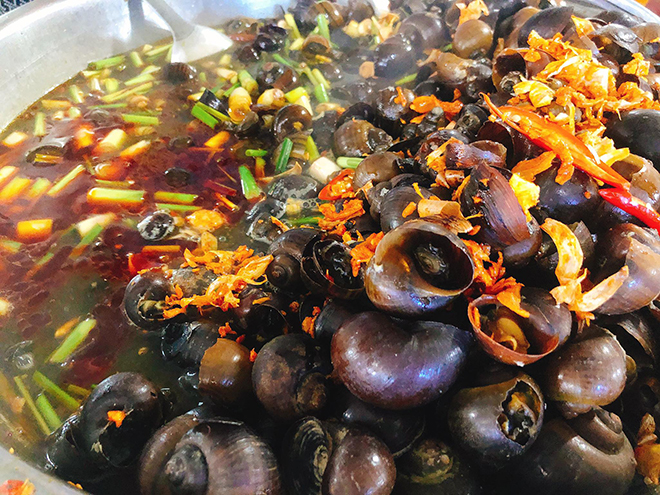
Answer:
(295, 94)
(31, 405)
(111, 85)
(231, 89)
(55, 391)
(247, 81)
(285, 61)
(150, 69)
(249, 185)
(87, 239)
(154, 52)
(172, 197)
(124, 93)
(76, 94)
(213, 112)
(200, 114)
(72, 341)
(202, 77)
(312, 149)
(406, 79)
(111, 105)
(107, 62)
(136, 60)
(255, 153)
(285, 153)
(95, 85)
(132, 118)
(321, 78)
(79, 391)
(312, 78)
(448, 47)
(291, 21)
(348, 161)
(142, 78)
(10, 246)
(40, 124)
(173, 207)
(48, 412)
(324, 27)
(39, 187)
(321, 94)
(304, 221)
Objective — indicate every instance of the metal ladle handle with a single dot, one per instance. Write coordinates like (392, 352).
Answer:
(179, 26)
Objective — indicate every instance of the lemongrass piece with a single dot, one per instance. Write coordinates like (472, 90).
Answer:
(122, 197)
(14, 139)
(113, 142)
(14, 189)
(48, 412)
(39, 124)
(59, 186)
(72, 341)
(31, 405)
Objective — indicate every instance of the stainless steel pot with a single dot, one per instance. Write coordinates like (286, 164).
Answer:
(46, 42)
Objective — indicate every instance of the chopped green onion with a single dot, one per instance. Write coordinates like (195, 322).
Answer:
(202, 77)
(76, 94)
(111, 85)
(132, 118)
(304, 220)
(231, 90)
(40, 186)
(200, 114)
(66, 180)
(324, 28)
(308, 72)
(255, 153)
(53, 389)
(285, 61)
(172, 197)
(40, 124)
(102, 195)
(32, 406)
(213, 112)
(348, 161)
(285, 153)
(154, 52)
(248, 184)
(406, 79)
(173, 207)
(48, 412)
(247, 81)
(110, 105)
(136, 60)
(10, 246)
(321, 94)
(448, 47)
(72, 341)
(87, 239)
(142, 78)
(79, 391)
(321, 78)
(124, 93)
(107, 62)
(295, 94)
(311, 149)
(91, 73)
(95, 85)
(291, 21)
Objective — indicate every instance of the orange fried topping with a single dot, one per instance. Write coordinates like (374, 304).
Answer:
(340, 187)
(529, 169)
(409, 209)
(424, 104)
(225, 330)
(570, 274)
(332, 218)
(474, 10)
(363, 252)
(253, 355)
(526, 192)
(400, 98)
(308, 322)
(116, 417)
(647, 452)
(235, 270)
(17, 487)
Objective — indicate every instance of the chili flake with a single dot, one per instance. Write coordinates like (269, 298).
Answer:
(116, 417)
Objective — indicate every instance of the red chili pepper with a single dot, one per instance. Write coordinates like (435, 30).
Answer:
(339, 186)
(632, 205)
(553, 137)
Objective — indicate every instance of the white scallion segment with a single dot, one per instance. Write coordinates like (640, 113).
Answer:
(322, 169)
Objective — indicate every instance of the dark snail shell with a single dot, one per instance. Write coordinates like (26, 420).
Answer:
(220, 456)
(289, 377)
(589, 371)
(333, 459)
(287, 250)
(398, 364)
(417, 269)
(637, 130)
(638, 249)
(547, 328)
(497, 422)
(186, 342)
(398, 429)
(635, 334)
(431, 467)
(358, 138)
(546, 23)
(192, 281)
(101, 439)
(158, 451)
(588, 454)
(568, 202)
(379, 167)
(290, 119)
(326, 269)
(260, 314)
(144, 298)
(395, 202)
(225, 373)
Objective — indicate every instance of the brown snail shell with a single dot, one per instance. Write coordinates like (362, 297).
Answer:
(417, 269)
